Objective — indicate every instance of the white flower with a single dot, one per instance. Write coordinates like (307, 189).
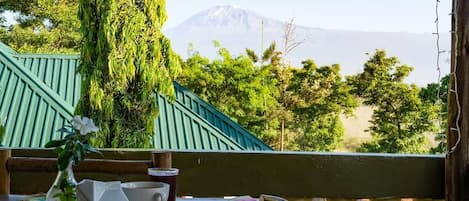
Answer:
(85, 125)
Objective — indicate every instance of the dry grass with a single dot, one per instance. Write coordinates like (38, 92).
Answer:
(356, 125)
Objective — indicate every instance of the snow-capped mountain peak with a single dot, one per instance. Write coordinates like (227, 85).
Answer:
(218, 11)
(227, 17)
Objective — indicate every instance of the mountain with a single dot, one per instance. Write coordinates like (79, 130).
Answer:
(237, 28)
(226, 17)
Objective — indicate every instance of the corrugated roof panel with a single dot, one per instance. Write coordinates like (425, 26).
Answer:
(39, 127)
(6, 49)
(21, 95)
(31, 115)
(180, 128)
(56, 71)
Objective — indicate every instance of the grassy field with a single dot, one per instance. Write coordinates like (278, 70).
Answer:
(356, 126)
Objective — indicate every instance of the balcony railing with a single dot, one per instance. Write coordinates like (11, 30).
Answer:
(209, 174)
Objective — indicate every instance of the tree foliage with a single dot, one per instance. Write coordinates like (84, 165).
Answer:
(45, 26)
(323, 97)
(260, 94)
(232, 84)
(125, 60)
(400, 118)
(437, 94)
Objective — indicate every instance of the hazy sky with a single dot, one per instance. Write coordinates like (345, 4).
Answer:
(416, 16)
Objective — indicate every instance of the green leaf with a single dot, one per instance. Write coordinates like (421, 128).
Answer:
(58, 150)
(65, 130)
(63, 160)
(79, 153)
(69, 136)
(91, 149)
(55, 143)
(138, 60)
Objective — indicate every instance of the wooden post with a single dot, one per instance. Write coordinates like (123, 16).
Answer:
(4, 174)
(162, 159)
(457, 162)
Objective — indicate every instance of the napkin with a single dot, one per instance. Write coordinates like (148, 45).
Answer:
(91, 190)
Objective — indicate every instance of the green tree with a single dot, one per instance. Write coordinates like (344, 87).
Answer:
(437, 94)
(259, 93)
(125, 61)
(283, 72)
(400, 117)
(43, 26)
(287, 100)
(322, 97)
(271, 114)
(232, 84)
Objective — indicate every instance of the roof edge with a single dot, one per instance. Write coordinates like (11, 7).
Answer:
(33, 55)
(6, 48)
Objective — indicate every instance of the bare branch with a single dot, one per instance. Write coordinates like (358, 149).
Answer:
(290, 39)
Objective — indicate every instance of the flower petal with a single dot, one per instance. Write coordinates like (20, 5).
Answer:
(87, 126)
(77, 122)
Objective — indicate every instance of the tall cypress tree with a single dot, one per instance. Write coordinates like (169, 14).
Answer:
(125, 61)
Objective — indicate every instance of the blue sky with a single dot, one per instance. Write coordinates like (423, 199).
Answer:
(415, 16)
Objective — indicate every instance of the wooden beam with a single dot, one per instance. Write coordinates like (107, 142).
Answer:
(162, 159)
(457, 162)
(24, 164)
(5, 154)
(115, 154)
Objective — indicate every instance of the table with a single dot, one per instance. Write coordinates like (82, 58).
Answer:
(23, 197)
(12, 198)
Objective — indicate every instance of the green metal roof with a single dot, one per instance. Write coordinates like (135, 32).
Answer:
(38, 89)
(27, 103)
(58, 72)
(178, 127)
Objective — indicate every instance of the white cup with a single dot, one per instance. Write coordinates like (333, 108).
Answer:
(146, 191)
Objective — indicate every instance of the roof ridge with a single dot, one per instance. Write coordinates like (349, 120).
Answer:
(6, 48)
(36, 85)
(36, 55)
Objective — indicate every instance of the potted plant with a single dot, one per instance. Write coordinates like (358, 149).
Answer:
(70, 151)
